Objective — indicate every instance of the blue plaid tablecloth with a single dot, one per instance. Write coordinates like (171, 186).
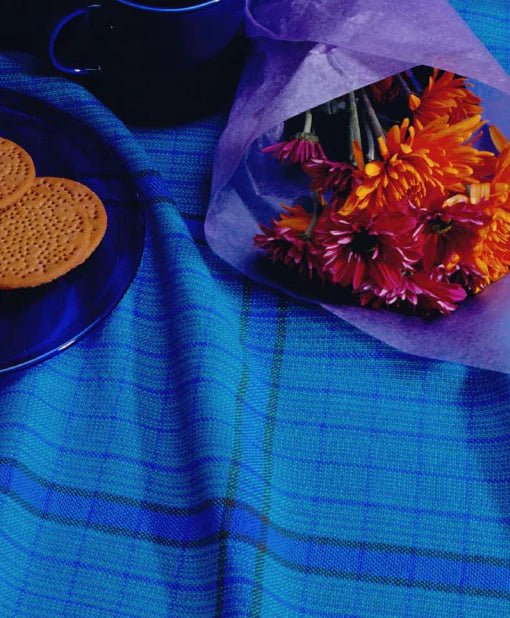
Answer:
(217, 449)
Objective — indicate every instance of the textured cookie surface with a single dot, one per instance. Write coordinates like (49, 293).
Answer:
(17, 172)
(70, 191)
(42, 237)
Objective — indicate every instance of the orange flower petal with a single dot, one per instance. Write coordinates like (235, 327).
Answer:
(358, 154)
(498, 139)
(374, 168)
(414, 102)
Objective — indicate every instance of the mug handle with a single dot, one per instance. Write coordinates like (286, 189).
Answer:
(54, 36)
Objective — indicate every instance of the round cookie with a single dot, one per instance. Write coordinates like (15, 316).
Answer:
(70, 190)
(17, 172)
(42, 236)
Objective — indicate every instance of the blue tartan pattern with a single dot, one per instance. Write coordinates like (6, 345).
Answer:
(217, 449)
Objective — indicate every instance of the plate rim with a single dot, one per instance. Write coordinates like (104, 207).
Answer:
(39, 358)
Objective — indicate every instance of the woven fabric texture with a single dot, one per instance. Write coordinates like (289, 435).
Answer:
(217, 449)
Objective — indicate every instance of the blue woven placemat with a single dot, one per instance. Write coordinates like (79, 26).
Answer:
(216, 449)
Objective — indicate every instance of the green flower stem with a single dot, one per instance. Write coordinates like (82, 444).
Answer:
(404, 85)
(354, 128)
(370, 139)
(372, 116)
(317, 209)
(308, 122)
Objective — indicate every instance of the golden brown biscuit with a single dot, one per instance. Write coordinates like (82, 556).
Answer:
(43, 235)
(17, 172)
(70, 191)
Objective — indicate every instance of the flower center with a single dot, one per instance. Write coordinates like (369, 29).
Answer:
(438, 226)
(363, 242)
(308, 137)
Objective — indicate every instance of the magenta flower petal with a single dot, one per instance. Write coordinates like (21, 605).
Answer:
(303, 148)
(450, 228)
(363, 250)
(285, 241)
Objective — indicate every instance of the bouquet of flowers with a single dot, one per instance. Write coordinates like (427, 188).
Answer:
(355, 175)
(409, 210)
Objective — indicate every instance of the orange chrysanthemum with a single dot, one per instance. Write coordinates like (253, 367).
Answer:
(500, 183)
(416, 160)
(456, 161)
(492, 253)
(448, 96)
(297, 219)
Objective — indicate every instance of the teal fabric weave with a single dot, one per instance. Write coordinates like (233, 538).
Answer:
(217, 449)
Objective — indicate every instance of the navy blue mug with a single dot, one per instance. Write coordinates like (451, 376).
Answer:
(145, 51)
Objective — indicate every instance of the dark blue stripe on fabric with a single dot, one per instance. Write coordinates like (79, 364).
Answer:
(203, 529)
(164, 583)
(9, 465)
(282, 490)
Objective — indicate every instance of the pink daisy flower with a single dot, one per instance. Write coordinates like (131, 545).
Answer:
(302, 148)
(450, 228)
(363, 249)
(331, 176)
(417, 291)
(286, 241)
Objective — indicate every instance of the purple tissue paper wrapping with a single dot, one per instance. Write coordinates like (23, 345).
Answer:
(304, 53)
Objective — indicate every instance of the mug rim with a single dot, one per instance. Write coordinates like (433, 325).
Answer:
(163, 9)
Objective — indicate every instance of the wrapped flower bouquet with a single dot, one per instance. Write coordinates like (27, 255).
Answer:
(365, 167)
(409, 210)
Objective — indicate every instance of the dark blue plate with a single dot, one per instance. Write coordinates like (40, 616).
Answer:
(36, 323)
